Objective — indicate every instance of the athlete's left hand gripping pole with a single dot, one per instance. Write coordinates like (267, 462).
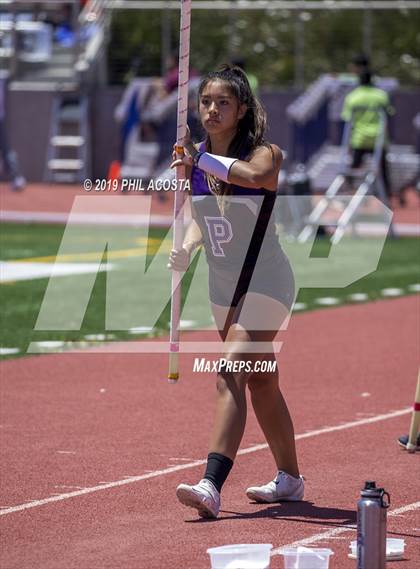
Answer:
(178, 226)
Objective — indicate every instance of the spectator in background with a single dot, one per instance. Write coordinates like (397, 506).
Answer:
(166, 129)
(137, 96)
(359, 64)
(8, 156)
(147, 111)
(362, 106)
(170, 79)
(64, 33)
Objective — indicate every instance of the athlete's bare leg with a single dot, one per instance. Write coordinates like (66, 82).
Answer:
(274, 419)
(268, 403)
(231, 404)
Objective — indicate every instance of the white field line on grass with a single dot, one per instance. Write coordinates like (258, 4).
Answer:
(170, 470)
(332, 533)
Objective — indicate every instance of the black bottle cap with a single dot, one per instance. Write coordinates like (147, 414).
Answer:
(371, 491)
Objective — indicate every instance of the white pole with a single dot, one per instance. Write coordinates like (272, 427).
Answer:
(178, 226)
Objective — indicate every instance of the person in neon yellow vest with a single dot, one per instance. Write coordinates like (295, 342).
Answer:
(361, 105)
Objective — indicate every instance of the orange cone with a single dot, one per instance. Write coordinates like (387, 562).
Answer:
(114, 172)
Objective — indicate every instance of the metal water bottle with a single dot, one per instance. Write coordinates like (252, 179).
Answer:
(371, 527)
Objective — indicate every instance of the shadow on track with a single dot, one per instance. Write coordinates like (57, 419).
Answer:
(293, 511)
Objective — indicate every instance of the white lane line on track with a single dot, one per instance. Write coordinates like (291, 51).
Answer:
(340, 427)
(333, 533)
(69, 486)
(180, 459)
(170, 470)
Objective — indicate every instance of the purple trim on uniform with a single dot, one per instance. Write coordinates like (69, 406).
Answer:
(199, 185)
(198, 179)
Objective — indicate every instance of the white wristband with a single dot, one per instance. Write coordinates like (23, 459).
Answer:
(218, 166)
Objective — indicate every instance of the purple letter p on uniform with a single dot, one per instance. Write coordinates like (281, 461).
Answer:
(220, 231)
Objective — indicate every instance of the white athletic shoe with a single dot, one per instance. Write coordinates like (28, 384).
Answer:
(283, 488)
(204, 497)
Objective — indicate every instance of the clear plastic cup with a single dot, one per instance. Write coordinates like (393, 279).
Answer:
(394, 549)
(241, 556)
(306, 557)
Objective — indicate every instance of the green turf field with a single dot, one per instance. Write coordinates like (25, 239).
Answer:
(130, 297)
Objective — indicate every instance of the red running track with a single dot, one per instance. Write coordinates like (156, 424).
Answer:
(58, 198)
(76, 421)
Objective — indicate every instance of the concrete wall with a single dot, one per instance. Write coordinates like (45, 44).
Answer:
(28, 118)
(276, 103)
(105, 130)
(407, 105)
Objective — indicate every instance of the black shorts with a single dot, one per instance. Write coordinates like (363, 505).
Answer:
(273, 279)
(359, 154)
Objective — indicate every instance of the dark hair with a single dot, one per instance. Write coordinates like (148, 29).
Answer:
(361, 60)
(365, 78)
(239, 62)
(252, 126)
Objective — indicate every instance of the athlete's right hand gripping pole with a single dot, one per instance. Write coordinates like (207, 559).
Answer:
(178, 226)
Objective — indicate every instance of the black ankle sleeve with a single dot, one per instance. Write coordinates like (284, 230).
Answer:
(218, 468)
